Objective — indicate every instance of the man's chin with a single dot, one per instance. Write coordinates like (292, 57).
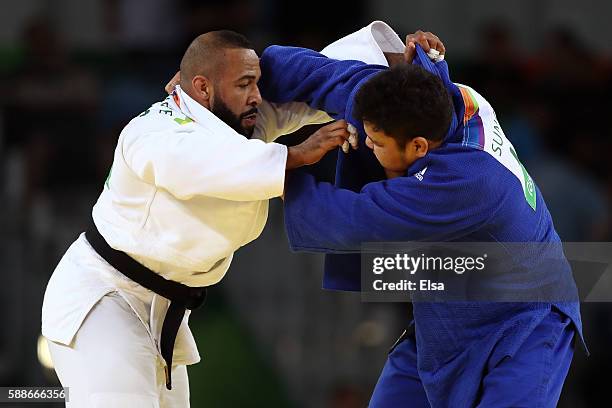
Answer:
(248, 131)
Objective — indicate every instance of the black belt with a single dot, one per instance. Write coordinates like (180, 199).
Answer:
(182, 297)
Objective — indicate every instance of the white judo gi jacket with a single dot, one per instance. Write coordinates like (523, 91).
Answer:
(185, 192)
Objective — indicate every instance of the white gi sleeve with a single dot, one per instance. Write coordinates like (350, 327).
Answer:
(278, 119)
(196, 159)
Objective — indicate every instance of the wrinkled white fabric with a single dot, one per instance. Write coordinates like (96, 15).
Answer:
(123, 370)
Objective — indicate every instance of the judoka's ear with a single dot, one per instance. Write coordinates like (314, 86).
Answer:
(202, 87)
(418, 147)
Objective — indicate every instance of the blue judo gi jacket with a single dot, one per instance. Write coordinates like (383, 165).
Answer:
(460, 191)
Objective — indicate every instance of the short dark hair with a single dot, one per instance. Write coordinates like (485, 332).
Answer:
(228, 39)
(405, 101)
(203, 55)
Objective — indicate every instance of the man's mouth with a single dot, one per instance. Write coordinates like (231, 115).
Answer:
(250, 117)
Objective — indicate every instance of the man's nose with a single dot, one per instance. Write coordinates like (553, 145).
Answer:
(368, 143)
(255, 97)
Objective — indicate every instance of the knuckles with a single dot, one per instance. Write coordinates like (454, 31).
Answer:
(421, 36)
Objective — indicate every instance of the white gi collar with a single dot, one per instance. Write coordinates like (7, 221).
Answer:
(367, 44)
(190, 107)
(201, 115)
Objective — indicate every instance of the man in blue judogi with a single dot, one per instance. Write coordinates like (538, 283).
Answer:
(450, 175)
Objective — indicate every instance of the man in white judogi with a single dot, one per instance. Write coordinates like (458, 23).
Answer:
(185, 191)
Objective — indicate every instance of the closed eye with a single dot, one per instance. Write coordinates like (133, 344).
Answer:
(373, 142)
(245, 81)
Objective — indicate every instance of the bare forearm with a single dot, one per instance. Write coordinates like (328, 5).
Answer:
(394, 58)
(295, 157)
(314, 148)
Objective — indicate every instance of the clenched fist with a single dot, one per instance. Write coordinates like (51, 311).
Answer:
(430, 42)
(176, 79)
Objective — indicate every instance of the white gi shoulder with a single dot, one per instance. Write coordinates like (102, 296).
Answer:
(160, 116)
(277, 119)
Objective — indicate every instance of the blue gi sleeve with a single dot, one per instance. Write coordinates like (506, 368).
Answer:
(298, 74)
(322, 218)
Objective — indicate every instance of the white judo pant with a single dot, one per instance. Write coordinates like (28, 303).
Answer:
(112, 362)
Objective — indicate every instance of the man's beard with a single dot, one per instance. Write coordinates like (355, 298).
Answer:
(223, 112)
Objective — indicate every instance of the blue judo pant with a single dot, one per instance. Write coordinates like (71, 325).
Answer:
(532, 377)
